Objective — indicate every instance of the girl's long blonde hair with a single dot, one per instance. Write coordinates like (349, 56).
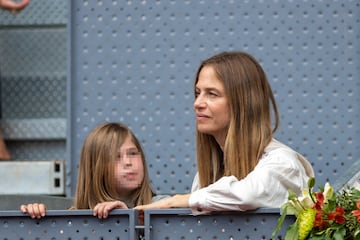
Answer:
(96, 182)
(250, 130)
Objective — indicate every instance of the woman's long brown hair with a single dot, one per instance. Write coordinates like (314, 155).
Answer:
(250, 130)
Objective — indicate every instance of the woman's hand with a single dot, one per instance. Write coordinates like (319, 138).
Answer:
(176, 201)
(35, 210)
(101, 210)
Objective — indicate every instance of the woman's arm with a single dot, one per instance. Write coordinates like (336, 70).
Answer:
(176, 201)
(266, 186)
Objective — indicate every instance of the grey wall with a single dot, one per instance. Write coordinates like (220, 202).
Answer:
(134, 61)
(33, 80)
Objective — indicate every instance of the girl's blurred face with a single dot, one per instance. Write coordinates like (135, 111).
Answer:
(129, 169)
(211, 105)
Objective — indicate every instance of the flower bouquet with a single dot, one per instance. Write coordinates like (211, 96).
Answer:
(322, 215)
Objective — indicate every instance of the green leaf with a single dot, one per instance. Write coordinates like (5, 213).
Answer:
(339, 235)
(280, 221)
(314, 237)
(357, 234)
(292, 232)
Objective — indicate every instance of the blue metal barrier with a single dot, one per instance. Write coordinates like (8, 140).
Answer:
(158, 224)
(68, 224)
(179, 224)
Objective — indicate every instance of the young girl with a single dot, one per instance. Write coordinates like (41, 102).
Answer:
(112, 173)
(240, 165)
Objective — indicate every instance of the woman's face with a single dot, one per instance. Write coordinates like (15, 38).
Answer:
(211, 105)
(129, 169)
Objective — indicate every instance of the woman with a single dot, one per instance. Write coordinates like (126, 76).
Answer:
(112, 173)
(240, 165)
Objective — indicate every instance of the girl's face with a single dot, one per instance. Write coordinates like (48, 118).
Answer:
(211, 105)
(129, 169)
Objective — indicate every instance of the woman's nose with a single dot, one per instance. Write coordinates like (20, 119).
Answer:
(199, 102)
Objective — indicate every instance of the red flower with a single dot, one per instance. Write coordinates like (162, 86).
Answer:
(319, 200)
(356, 213)
(319, 220)
(338, 215)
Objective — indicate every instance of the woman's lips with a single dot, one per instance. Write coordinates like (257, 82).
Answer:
(201, 117)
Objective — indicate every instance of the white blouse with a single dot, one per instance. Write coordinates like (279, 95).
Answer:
(279, 169)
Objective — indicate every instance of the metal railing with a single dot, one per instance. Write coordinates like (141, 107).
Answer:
(156, 224)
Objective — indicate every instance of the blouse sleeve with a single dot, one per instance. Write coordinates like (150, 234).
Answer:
(266, 186)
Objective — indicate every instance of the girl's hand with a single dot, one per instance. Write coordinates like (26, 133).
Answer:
(35, 210)
(101, 210)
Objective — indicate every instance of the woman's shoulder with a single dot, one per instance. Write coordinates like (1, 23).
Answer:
(277, 145)
(281, 155)
(276, 148)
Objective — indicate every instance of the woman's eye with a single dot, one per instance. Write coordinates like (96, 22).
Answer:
(212, 94)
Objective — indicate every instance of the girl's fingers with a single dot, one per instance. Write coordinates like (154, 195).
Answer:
(101, 210)
(35, 210)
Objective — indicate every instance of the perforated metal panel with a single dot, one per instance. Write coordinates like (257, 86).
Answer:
(33, 80)
(134, 61)
(39, 12)
(71, 225)
(157, 224)
(33, 61)
(179, 224)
